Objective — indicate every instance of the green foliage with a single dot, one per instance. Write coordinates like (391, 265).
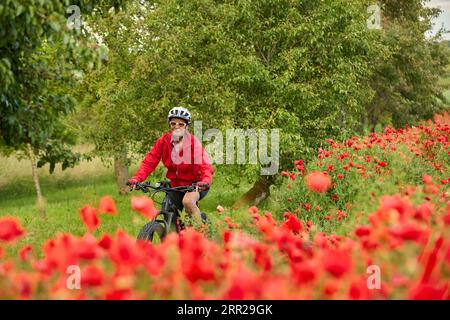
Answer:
(41, 62)
(405, 79)
(311, 68)
(114, 112)
(300, 66)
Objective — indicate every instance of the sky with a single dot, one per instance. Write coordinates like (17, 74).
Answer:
(444, 18)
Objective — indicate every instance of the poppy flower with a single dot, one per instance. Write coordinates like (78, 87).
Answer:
(318, 181)
(123, 250)
(107, 205)
(10, 229)
(336, 262)
(105, 242)
(253, 210)
(145, 206)
(293, 223)
(92, 276)
(362, 231)
(427, 179)
(89, 218)
(305, 272)
(426, 291)
(408, 231)
(23, 253)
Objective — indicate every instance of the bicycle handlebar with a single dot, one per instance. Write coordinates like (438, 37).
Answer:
(144, 187)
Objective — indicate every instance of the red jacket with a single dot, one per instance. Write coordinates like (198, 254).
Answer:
(190, 165)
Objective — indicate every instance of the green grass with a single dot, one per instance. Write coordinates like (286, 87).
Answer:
(66, 192)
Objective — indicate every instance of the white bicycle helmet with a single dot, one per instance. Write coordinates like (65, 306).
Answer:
(179, 112)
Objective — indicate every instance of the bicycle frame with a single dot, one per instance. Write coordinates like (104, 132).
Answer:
(171, 214)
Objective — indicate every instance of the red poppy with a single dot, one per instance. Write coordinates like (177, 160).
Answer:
(292, 223)
(92, 276)
(123, 250)
(336, 262)
(253, 210)
(107, 205)
(10, 229)
(87, 247)
(284, 174)
(426, 291)
(262, 257)
(432, 260)
(408, 231)
(23, 253)
(427, 179)
(105, 241)
(382, 164)
(145, 206)
(362, 231)
(341, 214)
(304, 272)
(318, 181)
(89, 218)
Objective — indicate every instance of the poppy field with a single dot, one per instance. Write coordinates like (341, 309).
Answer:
(369, 218)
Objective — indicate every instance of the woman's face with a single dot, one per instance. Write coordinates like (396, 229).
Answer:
(177, 126)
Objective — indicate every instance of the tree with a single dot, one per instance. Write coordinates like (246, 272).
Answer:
(405, 79)
(41, 60)
(113, 113)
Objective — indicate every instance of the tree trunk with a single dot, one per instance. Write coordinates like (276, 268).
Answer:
(121, 171)
(40, 199)
(257, 193)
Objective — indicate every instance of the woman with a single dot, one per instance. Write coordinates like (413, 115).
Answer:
(186, 161)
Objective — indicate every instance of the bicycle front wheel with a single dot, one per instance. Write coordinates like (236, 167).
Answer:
(153, 231)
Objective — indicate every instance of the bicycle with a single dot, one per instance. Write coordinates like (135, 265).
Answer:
(171, 217)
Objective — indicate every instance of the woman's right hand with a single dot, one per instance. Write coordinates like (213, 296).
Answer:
(132, 183)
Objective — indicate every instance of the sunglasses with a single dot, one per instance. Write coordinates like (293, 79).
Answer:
(180, 124)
